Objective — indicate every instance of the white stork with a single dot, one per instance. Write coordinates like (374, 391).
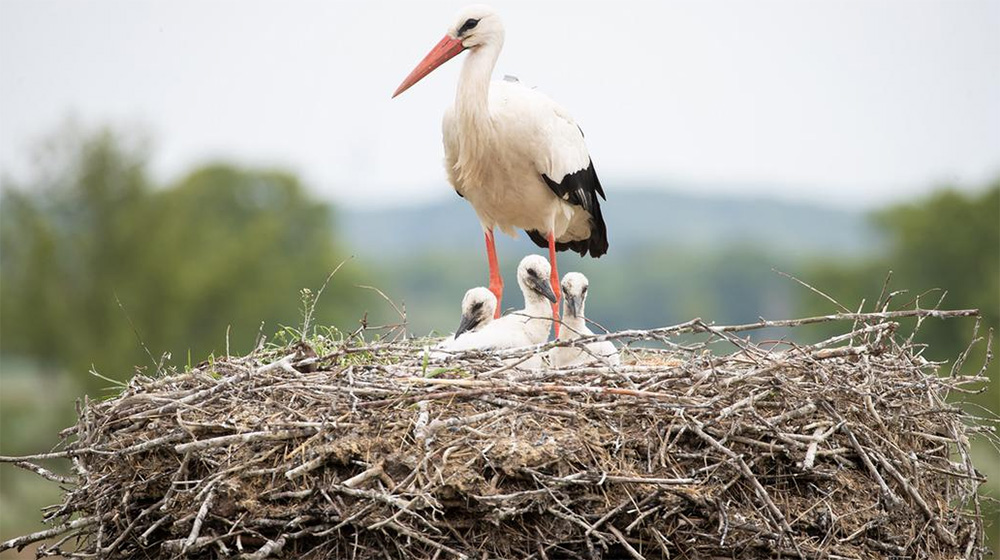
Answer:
(574, 287)
(513, 153)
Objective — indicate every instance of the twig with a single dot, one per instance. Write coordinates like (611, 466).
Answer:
(813, 290)
(401, 313)
(696, 427)
(621, 539)
(887, 494)
(45, 473)
(206, 506)
(311, 309)
(225, 441)
(432, 543)
(942, 533)
(138, 337)
(269, 548)
(360, 479)
(21, 542)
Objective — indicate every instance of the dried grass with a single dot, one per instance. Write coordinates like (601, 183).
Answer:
(706, 448)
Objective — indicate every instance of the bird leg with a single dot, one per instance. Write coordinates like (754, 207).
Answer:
(496, 281)
(555, 281)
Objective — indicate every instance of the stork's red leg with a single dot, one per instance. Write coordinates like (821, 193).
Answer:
(496, 281)
(555, 280)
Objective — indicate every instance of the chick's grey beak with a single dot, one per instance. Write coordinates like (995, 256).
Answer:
(468, 323)
(543, 288)
(572, 304)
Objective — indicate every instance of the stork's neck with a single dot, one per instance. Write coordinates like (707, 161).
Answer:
(473, 96)
(573, 326)
(541, 312)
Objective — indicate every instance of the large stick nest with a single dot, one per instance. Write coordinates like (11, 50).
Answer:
(710, 447)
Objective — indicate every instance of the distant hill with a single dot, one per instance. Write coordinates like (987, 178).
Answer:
(637, 218)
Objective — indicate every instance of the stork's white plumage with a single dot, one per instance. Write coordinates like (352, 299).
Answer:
(574, 286)
(517, 329)
(513, 153)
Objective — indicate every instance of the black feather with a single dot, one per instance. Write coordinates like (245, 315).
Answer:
(580, 189)
(469, 24)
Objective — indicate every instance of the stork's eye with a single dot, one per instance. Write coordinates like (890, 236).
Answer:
(469, 24)
(532, 273)
(477, 306)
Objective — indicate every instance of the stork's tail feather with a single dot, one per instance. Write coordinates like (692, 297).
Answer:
(598, 242)
(581, 246)
(583, 189)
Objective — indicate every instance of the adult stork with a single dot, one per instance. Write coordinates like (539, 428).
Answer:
(513, 153)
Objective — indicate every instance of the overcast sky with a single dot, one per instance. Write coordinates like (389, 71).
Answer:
(851, 103)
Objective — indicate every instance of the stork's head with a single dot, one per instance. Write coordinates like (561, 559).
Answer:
(574, 289)
(533, 277)
(477, 25)
(478, 307)
(474, 26)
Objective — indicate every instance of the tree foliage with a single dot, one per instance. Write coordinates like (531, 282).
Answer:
(945, 246)
(94, 255)
(950, 241)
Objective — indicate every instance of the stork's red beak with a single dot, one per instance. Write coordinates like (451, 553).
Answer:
(444, 51)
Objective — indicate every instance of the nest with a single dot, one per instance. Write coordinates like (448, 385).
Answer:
(710, 447)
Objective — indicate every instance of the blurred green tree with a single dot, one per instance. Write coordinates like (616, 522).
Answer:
(947, 245)
(950, 241)
(217, 254)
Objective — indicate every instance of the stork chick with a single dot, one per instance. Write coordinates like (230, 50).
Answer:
(478, 308)
(574, 289)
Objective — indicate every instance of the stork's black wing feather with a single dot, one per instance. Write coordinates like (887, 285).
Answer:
(582, 189)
